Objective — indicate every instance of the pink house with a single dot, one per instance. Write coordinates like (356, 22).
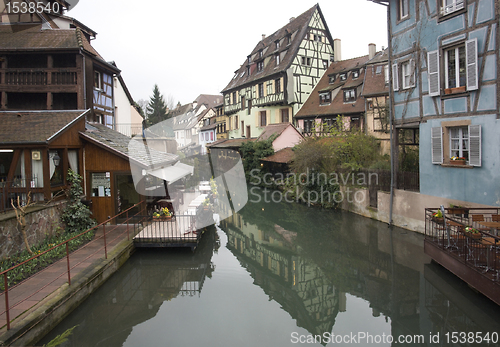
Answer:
(286, 135)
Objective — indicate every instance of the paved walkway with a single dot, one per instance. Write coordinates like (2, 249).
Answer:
(24, 297)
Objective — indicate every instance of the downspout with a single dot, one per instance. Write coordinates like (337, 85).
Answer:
(84, 80)
(391, 123)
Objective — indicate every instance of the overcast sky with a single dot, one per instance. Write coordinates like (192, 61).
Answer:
(190, 47)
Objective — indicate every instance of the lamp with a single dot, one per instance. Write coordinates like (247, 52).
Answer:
(56, 159)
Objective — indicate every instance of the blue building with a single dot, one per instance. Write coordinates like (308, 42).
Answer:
(444, 67)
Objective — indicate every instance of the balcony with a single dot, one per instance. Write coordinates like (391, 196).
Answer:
(39, 77)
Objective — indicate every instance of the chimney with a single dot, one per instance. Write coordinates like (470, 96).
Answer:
(263, 36)
(292, 19)
(337, 52)
(372, 49)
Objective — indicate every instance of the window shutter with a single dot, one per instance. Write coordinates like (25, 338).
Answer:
(471, 56)
(395, 80)
(433, 72)
(437, 145)
(412, 73)
(475, 145)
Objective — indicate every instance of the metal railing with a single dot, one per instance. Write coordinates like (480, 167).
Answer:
(169, 231)
(462, 236)
(129, 129)
(107, 235)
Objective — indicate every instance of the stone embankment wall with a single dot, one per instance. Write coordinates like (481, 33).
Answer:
(41, 221)
(408, 207)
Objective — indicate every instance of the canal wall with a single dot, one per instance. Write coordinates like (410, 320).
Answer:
(55, 307)
(408, 207)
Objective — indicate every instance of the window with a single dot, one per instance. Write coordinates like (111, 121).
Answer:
(459, 142)
(260, 54)
(249, 59)
(284, 116)
(306, 61)
(455, 71)
(277, 86)
(408, 74)
(249, 106)
(450, 6)
(325, 64)
(236, 123)
(403, 9)
(460, 69)
(263, 118)
(261, 90)
(277, 59)
(325, 98)
(242, 102)
(349, 95)
(331, 79)
(97, 80)
(277, 44)
(308, 125)
(464, 141)
(386, 74)
(355, 74)
(233, 97)
(260, 66)
(343, 76)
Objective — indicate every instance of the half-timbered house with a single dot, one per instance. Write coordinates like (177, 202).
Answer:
(278, 75)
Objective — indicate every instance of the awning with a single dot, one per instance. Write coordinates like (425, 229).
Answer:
(172, 173)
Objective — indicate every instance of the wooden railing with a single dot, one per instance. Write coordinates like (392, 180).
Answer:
(37, 77)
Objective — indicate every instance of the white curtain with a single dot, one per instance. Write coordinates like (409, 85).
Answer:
(37, 171)
(23, 170)
(52, 166)
(73, 160)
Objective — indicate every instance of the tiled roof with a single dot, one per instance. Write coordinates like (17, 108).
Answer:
(297, 28)
(272, 129)
(229, 143)
(312, 107)
(32, 127)
(284, 156)
(375, 78)
(122, 145)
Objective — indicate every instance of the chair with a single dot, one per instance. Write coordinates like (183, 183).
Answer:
(478, 218)
(495, 217)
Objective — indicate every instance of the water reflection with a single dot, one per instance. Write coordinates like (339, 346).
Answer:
(310, 262)
(283, 269)
(148, 280)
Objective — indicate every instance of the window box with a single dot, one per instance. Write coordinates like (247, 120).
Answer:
(460, 162)
(456, 90)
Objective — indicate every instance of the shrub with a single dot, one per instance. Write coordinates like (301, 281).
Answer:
(76, 215)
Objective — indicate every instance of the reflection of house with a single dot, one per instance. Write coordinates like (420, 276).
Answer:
(278, 75)
(444, 61)
(297, 284)
(36, 150)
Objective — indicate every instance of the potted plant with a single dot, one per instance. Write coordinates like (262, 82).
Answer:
(162, 214)
(206, 204)
(437, 217)
(474, 233)
(457, 160)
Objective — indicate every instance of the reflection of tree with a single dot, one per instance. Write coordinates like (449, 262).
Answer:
(148, 279)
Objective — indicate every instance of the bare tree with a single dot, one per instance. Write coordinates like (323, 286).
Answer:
(20, 211)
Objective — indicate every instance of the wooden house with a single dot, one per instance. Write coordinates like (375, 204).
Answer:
(36, 150)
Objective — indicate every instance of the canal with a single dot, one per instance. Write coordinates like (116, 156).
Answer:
(278, 274)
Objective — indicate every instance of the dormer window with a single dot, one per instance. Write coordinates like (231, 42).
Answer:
(355, 74)
(325, 64)
(325, 98)
(260, 54)
(343, 76)
(260, 66)
(331, 79)
(277, 44)
(289, 39)
(249, 59)
(277, 59)
(349, 95)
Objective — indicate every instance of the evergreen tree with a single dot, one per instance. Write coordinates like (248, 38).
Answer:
(156, 111)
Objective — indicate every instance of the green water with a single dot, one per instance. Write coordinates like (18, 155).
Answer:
(280, 274)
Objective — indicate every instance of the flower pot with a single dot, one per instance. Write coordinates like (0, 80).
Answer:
(454, 90)
(438, 220)
(457, 162)
(475, 235)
